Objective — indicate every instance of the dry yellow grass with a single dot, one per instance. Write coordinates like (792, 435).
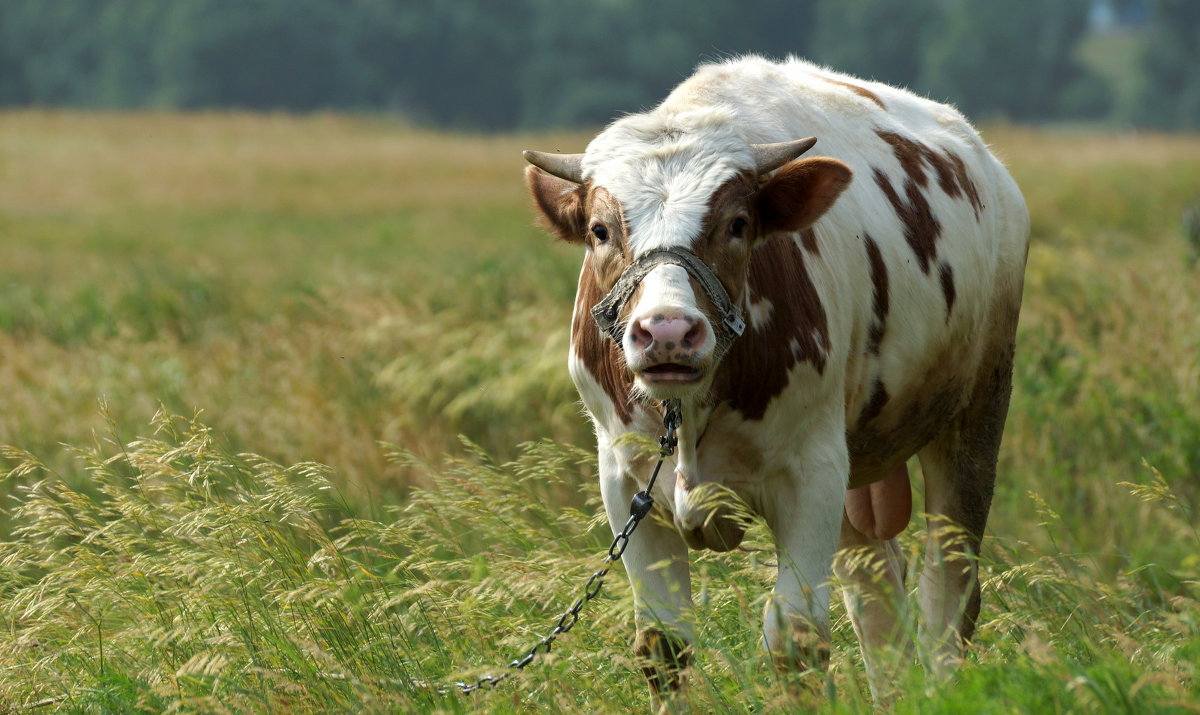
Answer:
(324, 164)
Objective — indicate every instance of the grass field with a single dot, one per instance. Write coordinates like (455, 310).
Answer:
(237, 353)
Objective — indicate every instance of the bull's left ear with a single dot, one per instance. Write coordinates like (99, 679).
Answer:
(560, 201)
(800, 193)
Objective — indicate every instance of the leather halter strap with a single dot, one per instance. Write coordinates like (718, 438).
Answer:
(607, 310)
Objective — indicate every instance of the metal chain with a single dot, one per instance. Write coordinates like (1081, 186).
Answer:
(638, 509)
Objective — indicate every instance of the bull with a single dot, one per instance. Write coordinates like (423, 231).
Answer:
(820, 320)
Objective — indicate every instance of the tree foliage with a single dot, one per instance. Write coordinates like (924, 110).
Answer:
(883, 41)
(1171, 94)
(1015, 59)
(475, 64)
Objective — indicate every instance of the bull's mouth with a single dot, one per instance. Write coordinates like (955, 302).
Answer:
(670, 372)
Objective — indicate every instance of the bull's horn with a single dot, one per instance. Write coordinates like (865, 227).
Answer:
(564, 166)
(770, 157)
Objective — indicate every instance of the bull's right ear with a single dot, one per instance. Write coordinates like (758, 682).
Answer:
(560, 201)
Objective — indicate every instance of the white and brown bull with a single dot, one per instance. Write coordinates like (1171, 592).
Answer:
(879, 285)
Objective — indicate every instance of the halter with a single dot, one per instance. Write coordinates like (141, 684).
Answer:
(606, 311)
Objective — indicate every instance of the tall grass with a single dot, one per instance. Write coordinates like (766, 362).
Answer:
(204, 580)
(348, 296)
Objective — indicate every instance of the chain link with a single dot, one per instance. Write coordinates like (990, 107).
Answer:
(638, 509)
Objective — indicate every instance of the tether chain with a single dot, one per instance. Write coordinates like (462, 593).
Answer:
(638, 509)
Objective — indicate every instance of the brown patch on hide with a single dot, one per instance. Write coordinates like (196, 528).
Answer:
(951, 172)
(946, 274)
(921, 227)
(875, 404)
(717, 248)
(879, 298)
(602, 357)
(721, 252)
(756, 368)
(964, 181)
(610, 258)
(860, 91)
(808, 238)
(909, 154)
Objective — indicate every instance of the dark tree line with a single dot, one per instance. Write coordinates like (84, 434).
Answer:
(487, 64)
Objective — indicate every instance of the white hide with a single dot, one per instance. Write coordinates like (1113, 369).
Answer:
(664, 166)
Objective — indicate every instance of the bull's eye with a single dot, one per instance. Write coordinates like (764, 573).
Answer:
(600, 231)
(737, 229)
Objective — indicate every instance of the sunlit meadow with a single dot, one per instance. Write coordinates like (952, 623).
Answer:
(237, 353)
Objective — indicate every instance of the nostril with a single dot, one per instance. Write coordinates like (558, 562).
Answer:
(641, 337)
(694, 338)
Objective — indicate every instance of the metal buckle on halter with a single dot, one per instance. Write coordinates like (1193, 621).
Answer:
(733, 321)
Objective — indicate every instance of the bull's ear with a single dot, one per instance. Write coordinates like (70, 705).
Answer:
(560, 201)
(800, 193)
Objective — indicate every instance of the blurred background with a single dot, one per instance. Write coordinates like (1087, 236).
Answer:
(535, 64)
(306, 218)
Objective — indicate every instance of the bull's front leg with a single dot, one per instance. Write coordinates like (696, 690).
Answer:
(805, 514)
(656, 562)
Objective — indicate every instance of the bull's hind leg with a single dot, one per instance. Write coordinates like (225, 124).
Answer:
(960, 473)
(871, 572)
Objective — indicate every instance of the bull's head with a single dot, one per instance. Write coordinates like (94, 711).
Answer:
(670, 243)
